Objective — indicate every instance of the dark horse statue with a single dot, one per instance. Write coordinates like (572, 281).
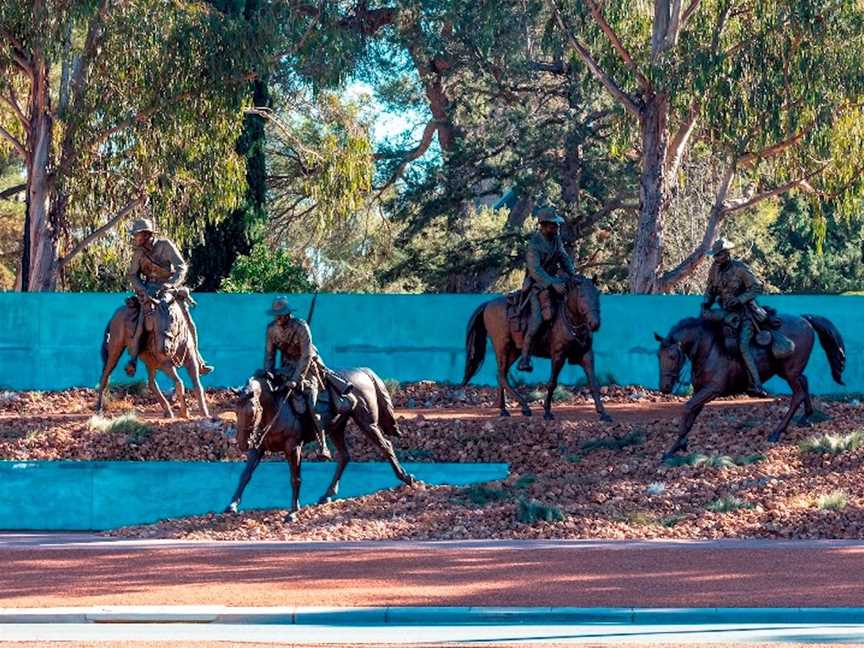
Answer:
(717, 373)
(266, 420)
(167, 345)
(567, 337)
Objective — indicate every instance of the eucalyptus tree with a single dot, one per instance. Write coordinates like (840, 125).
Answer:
(771, 88)
(111, 106)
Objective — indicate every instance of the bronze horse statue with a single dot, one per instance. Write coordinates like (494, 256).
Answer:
(167, 344)
(567, 337)
(267, 421)
(717, 373)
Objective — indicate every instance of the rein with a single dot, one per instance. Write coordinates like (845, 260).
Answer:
(259, 442)
(574, 330)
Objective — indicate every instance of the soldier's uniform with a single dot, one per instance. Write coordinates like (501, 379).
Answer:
(301, 365)
(545, 259)
(735, 287)
(155, 268)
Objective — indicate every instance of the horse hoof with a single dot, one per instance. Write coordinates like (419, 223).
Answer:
(231, 508)
(548, 416)
(668, 455)
(291, 517)
(606, 418)
(325, 499)
(526, 412)
(504, 414)
(774, 438)
(804, 422)
(410, 480)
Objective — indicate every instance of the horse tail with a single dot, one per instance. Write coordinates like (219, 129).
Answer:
(475, 343)
(832, 343)
(386, 411)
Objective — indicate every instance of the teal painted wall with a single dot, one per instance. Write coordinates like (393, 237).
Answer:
(99, 495)
(51, 341)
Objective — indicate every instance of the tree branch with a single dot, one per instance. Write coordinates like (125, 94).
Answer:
(12, 101)
(674, 27)
(679, 141)
(18, 146)
(618, 45)
(749, 159)
(11, 191)
(97, 233)
(801, 182)
(410, 156)
(625, 99)
(689, 12)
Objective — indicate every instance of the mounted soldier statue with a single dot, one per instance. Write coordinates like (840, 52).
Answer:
(302, 373)
(553, 316)
(720, 346)
(155, 324)
(282, 408)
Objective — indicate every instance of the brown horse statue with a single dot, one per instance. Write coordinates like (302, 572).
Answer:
(266, 421)
(167, 344)
(717, 373)
(567, 337)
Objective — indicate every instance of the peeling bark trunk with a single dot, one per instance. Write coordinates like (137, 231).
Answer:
(653, 196)
(40, 236)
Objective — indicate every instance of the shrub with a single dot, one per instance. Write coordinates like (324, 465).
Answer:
(128, 424)
(727, 504)
(392, 385)
(835, 501)
(614, 443)
(747, 460)
(833, 443)
(531, 511)
(480, 495)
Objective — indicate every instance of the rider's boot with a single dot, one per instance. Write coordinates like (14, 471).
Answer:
(525, 361)
(756, 389)
(319, 434)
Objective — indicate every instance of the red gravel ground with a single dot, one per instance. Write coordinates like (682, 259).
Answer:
(606, 576)
(570, 478)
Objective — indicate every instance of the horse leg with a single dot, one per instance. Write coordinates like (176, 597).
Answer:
(557, 365)
(253, 458)
(337, 434)
(367, 423)
(798, 396)
(588, 366)
(179, 389)
(154, 388)
(808, 401)
(505, 360)
(194, 372)
(115, 350)
(293, 453)
(692, 408)
(501, 354)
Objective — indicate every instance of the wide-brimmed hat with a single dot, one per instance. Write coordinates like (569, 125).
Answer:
(548, 215)
(141, 225)
(721, 245)
(280, 307)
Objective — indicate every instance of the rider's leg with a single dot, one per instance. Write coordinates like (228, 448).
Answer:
(745, 335)
(311, 394)
(203, 367)
(134, 344)
(534, 324)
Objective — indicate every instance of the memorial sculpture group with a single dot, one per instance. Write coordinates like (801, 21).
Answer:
(732, 349)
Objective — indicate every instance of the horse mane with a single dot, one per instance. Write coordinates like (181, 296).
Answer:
(691, 323)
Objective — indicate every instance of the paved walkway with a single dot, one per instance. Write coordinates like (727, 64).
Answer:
(81, 570)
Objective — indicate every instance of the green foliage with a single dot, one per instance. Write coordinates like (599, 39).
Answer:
(531, 511)
(525, 481)
(727, 504)
(393, 386)
(670, 521)
(747, 460)
(835, 501)
(613, 443)
(480, 495)
(267, 270)
(833, 443)
(127, 424)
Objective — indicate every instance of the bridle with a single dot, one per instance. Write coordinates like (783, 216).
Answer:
(573, 329)
(255, 440)
(674, 375)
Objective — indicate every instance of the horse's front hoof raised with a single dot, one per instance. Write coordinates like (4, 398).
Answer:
(291, 517)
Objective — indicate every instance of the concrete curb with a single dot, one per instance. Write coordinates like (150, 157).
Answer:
(215, 614)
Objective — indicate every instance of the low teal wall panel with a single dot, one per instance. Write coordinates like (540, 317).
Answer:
(99, 495)
(52, 341)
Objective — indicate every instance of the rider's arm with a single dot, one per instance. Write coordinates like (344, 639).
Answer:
(752, 286)
(269, 350)
(566, 259)
(535, 270)
(303, 338)
(134, 273)
(172, 254)
(710, 292)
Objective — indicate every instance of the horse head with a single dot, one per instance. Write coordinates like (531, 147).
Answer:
(672, 357)
(162, 321)
(249, 411)
(583, 301)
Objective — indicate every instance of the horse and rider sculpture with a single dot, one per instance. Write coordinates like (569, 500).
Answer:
(732, 348)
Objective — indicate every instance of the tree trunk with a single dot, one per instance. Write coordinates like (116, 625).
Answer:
(40, 236)
(653, 196)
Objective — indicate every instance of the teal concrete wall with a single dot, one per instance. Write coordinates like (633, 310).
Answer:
(51, 341)
(99, 495)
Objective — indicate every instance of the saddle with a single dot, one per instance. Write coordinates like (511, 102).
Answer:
(519, 312)
(768, 334)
